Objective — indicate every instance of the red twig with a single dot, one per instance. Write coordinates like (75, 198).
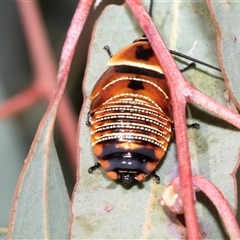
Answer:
(221, 204)
(176, 84)
(44, 78)
(181, 91)
(73, 34)
(45, 73)
(222, 35)
(20, 102)
(40, 52)
(195, 96)
(227, 215)
(50, 115)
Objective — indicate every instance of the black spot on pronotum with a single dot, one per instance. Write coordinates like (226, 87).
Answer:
(135, 85)
(144, 53)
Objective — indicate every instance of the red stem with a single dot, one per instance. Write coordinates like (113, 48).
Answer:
(68, 125)
(41, 54)
(45, 72)
(221, 204)
(67, 54)
(176, 84)
(195, 96)
(20, 102)
(74, 31)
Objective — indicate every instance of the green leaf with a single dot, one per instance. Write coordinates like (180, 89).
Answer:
(226, 19)
(41, 204)
(103, 209)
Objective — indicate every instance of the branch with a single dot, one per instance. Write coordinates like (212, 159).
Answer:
(44, 79)
(175, 81)
(221, 204)
(195, 96)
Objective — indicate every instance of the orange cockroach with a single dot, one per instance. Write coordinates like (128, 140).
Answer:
(130, 115)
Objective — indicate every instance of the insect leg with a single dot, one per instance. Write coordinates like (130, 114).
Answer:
(193, 125)
(94, 167)
(107, 48)
(150, 8)
(191, 65)
(89, 117)
(156, 177)
(193, 59)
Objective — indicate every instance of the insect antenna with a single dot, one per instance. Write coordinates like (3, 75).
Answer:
(150, 8)
(193, 59)
(107, 48)
(181, 54)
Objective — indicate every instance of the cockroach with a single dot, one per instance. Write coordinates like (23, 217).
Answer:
(130, 115)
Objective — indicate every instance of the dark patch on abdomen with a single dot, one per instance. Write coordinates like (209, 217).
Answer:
(135, 85)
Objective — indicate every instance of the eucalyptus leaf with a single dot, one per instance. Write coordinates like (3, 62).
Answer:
(226, 16)
(41, 203)
(103, 209)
